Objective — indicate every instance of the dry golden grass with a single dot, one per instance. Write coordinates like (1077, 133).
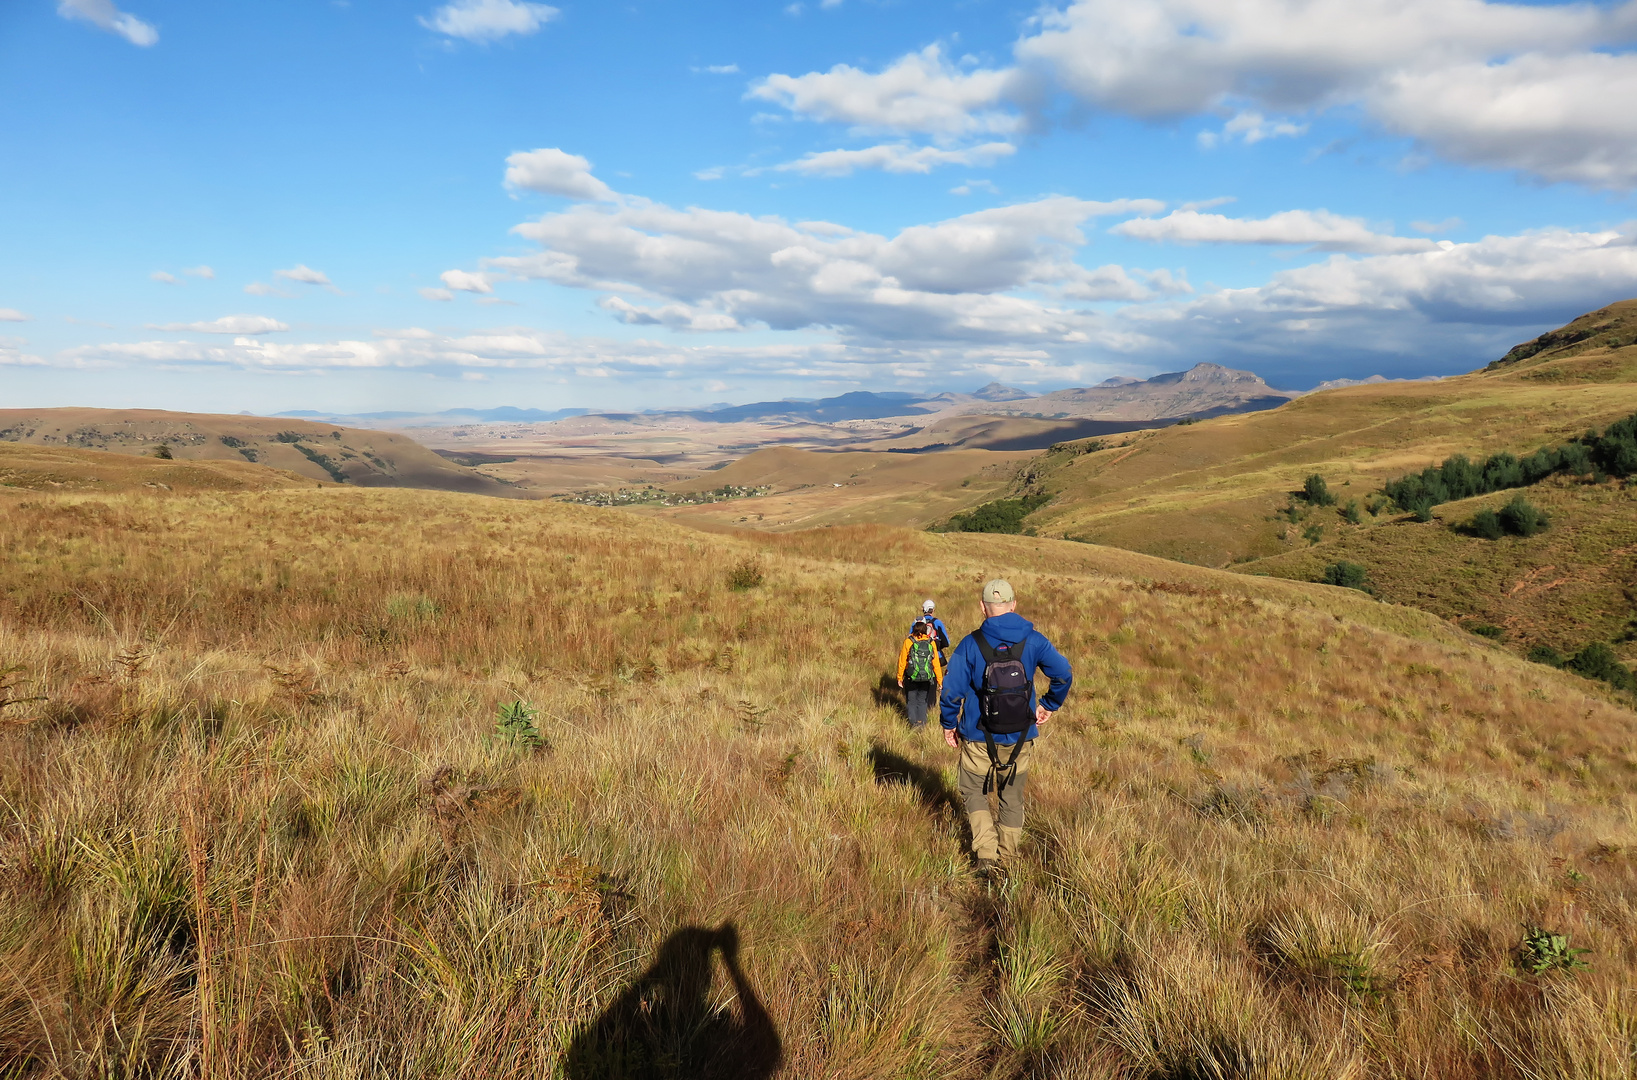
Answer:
(1279, 830)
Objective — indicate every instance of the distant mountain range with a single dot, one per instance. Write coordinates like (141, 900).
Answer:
(503, 414)
(1201, 391)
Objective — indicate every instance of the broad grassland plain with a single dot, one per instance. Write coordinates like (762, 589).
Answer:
(257, 819)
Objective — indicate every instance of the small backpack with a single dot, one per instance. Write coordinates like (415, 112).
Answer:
(920, 667)
(1004, 702)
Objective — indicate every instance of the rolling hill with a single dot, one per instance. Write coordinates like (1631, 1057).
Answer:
(342, 782)
(319, 451)
(1218, 492)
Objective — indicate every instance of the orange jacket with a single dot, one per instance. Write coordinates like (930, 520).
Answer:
(903, 658)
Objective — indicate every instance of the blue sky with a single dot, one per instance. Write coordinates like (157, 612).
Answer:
(384, 205)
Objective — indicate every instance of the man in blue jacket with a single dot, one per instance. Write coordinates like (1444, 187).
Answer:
(990, 714)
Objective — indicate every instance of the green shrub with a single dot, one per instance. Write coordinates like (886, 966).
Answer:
(163, 452)
(1313, 534)
(515, 727)
(1317, 492)
(1598, 661)
(1545, 654)
(1000, 516)
(1348, 575)
(1520, 517)
(1487, 630)
(1546, 950)
(1486, 525)
(1351, 514)
(746, 574)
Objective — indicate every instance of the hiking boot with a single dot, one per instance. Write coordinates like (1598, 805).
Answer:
(986, 868)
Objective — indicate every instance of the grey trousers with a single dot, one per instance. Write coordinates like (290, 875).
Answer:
(919, 697)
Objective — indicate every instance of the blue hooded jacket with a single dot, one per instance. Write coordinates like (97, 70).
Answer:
(964, 679)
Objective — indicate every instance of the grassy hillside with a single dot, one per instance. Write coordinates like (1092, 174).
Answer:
(812, 488)
(257, 819)
(26, 469)
(1206, 492)
(319, 451)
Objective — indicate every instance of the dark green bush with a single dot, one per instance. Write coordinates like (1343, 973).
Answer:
(1520, 517)
(163, 452)
(1317, 492)
(1486, 524)
(1598, 661)
(1545, 654)
(1000, 516)
(1313, 534)
(1487, 630)
(1351, 513)
(1348, 575)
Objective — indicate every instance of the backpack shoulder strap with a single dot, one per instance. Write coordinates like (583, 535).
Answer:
(984, 647)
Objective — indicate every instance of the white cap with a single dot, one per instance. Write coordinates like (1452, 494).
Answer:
(928, 605)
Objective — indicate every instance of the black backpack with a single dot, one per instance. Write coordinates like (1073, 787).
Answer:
(1003, 702)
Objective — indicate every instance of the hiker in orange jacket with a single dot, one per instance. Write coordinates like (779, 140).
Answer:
(919, 671)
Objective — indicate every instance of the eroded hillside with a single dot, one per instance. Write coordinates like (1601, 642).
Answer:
(257, 816)
(319, 451)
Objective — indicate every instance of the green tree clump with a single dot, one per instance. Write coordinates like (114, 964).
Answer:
(163, 452)
(1348, 575)
(1000, 516)
(1350, 513)
(1594, 661)
(1611, 453)
(1598, 661)
(1317, 492)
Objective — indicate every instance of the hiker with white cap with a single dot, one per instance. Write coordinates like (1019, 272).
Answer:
(990, 714)
(940, 633)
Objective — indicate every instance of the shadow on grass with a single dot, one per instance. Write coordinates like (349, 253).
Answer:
(889, 695)
(935, 792)
(664, 1024)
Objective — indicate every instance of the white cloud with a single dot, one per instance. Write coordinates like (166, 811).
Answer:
(164, 278)
(200, 272)
(717, 69)
(895, 158)
(975, 185)
(303, 274)
(437, 294)
(1318, 229)
(104, 14)
(12, 354)
(466, 281)
(488, 20)
(227, 324)
(1437, 226)
(12, 315)
(1498, 84)
(1455, 305)
(1252, 127)
(261, 288)
(715, 172)
(701, 269)
(921, 92)
(551, 171)
(1541, 88)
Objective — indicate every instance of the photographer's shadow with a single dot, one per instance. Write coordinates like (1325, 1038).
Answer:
(664, 1025)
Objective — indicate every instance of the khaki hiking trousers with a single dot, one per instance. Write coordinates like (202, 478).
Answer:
(988, 842)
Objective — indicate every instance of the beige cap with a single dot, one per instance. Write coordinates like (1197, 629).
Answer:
(997, 591)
